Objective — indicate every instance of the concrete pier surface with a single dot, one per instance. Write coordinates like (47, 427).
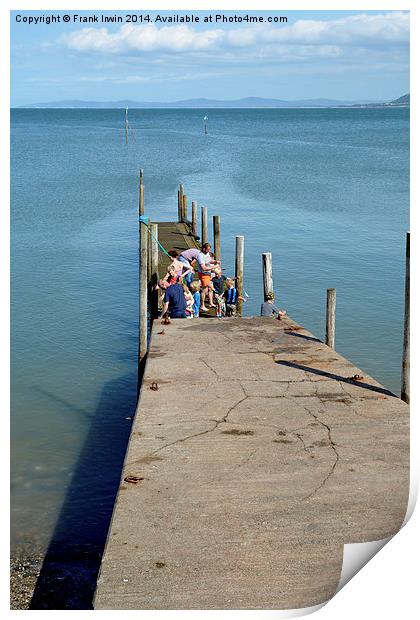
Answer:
(256, 453)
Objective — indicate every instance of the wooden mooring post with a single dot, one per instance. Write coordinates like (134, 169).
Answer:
(204, 228)
(330, 318)
(154, 260)
(184, 208)
(216, 237)
(143, 255)
(180, 201)
(194, 218)
(267, 267)
(239, 271)
(405, 374)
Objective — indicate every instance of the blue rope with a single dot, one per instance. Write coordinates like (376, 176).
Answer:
(143, 219)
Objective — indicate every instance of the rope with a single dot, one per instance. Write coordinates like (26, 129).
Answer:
(143, 219)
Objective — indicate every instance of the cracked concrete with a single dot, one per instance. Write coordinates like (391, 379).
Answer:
(261, 457)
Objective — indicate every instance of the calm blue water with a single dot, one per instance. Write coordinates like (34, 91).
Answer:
(326, 191)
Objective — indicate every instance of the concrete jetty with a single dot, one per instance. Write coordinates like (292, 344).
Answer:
(256, 453)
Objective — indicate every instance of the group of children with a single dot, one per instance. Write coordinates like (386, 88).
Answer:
(211, 288)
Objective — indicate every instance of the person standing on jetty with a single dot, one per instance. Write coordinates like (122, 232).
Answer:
(231, 297)
(218, 283)
(205, 265)
(269, 309)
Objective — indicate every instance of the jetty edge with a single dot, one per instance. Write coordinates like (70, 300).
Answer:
(256, 453)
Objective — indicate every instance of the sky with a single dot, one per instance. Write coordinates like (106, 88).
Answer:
(343, 55)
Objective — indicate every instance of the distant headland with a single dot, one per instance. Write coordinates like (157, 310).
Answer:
(247, 102)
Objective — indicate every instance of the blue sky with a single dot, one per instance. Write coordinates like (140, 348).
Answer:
(347, 55)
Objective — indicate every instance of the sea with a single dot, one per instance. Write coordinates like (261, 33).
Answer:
(326, 191)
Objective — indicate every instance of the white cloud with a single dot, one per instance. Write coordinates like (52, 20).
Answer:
(304, 37)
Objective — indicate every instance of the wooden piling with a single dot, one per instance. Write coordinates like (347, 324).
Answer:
(143, 238)
(184, 208)
(239, 271)
(405, 374)
(330, 318)
(180, 201)
(216, 237)
(204, 228)
(194, 218)
(267, 267)
(141, 194)
(149, 251)
(154, 254)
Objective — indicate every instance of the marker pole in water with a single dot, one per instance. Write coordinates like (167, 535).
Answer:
(267, 268)
(330, 318)
(216, 237)
(205, 125)
(405, 375)
(239, 271)
(143, 233)
(204, 229)
(126, 125)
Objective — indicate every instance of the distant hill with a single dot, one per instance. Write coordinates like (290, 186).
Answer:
(401, 102)
(404, 100)
(248, 102)
(207, 104)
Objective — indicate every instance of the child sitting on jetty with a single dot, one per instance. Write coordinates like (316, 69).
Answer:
(189, 299)
(231, 297)
(269, 309)
(171, 277)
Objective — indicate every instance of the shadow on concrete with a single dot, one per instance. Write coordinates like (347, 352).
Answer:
(71, 564)
(302, 336)
(335, 377)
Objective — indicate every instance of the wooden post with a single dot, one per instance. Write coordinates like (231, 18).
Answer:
(184, 208)
(154, 253)
(405, 375)
(194, 218)
(180, 201)
(141, 194)
(155, 248)
(216, 237)
(149, 251)
(330, 318)
(267, 267)
(239, 271)
(143, 234)
(204, 229)
(179, 206)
